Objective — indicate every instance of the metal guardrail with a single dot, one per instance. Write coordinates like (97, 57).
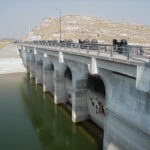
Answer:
(129, 51)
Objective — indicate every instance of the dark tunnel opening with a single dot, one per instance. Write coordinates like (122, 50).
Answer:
(40, 63)
(68, 73)
(52, 67)
(96, 84)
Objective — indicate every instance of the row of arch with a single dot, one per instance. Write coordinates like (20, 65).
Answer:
(96, 95)
(95, 83)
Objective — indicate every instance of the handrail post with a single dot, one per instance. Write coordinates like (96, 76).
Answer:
(88, 49)
(79, 47)
(129, 53)
(116, 48)
(65, 47)
(112, 50)
(71, 47)
(105, 49)
(98, 51)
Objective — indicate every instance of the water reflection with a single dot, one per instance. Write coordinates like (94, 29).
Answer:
(51, 124)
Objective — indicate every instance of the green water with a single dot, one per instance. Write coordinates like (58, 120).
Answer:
(29, 120)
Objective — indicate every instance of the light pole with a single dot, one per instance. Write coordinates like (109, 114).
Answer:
(59, 24)
(29, 28)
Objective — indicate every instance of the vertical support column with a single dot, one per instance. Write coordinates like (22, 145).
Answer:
(60, 82)
(48, 73)
(23, 52)
(143, 78)
(79, 101)
(20, 50)
(39, 69)
(32, 65)
(27, 61)
(59, 88)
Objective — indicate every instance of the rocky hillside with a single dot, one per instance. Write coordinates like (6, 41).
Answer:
(84, 27)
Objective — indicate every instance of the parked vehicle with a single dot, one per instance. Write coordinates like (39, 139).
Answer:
(120, 46)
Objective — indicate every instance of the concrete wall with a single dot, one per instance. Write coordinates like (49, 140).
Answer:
(121, 135)
(94, 101)
(26, 59)
(127, 125)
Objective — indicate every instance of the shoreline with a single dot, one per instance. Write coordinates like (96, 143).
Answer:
(10, 61)
(12, 73)
(11, 65)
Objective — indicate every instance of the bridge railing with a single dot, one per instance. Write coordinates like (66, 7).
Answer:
(126, 52)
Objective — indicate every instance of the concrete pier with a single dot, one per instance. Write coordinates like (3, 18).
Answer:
(38, 69)
(32, 64)
(48, 75)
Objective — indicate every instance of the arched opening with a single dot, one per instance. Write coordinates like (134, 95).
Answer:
(68, 73)
(68, 76)
(96, 99)
(96, 84)
(52, 67)
(40, 63)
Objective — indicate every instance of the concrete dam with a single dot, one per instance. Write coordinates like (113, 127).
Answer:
(111, 89)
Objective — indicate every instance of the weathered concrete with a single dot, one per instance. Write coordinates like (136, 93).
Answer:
(48, 75)
(79, 101)
(32, 65)
(120, 135)
(69, 90)
(26, 54)
(143, 78)
(59, 84)
(123, 110)
(94, 101)
(131, 115)
(59, 90)
(38, 68)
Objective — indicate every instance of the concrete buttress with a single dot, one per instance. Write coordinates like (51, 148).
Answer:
(39, 68)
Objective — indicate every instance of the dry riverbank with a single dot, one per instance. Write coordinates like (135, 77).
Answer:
(3, 44)
(10, 61)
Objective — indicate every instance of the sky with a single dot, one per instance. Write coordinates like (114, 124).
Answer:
(17, 15)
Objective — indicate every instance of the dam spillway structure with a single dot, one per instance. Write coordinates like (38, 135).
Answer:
(110, 89)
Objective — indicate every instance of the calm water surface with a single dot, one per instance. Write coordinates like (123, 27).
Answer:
(29, 120)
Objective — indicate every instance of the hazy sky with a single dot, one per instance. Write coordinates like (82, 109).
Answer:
(17, 15)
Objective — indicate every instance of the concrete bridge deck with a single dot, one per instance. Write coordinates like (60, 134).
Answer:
(111, 90)
(102, 53)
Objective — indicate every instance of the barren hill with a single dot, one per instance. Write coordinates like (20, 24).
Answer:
(84, 27)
